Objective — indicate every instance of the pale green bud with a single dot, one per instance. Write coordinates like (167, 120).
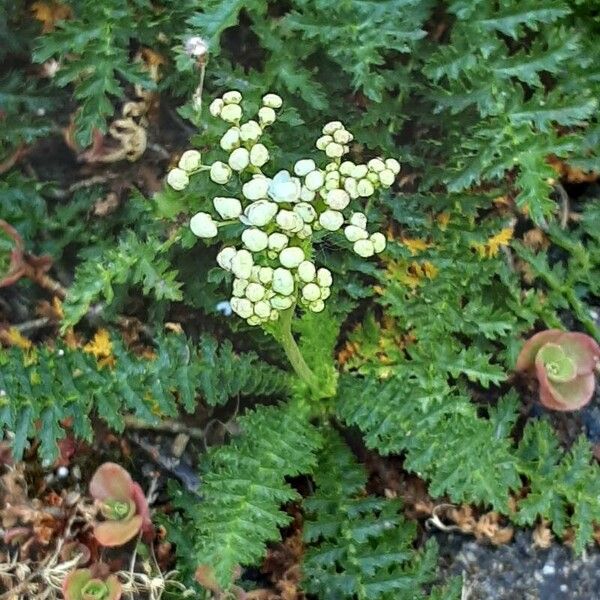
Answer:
(228, 208)
(331, 220)
(359, 171)
(306, 212)
(307, 271)
(256, 188)
(225, 256)
(373, 177)
(330, 167)
(265, 275)
(278, 241)
(306, 195)
(272, 101)
(305, 232)
(376, 164)
(266, 116)
(253, 320)
(239, 159)
(232, 97)
(365, 188)
(260, 213)
(359, 219)
(231, 113)
(254, 239)
(190, 160)
(323, 142)
(178, 179)
(386, 177)
(393, 165)
(259, 155)
(325, 293)
(216, 106)
(242, 307)
(378, 240)
(241, 264)
(289, 221)
(351, 186)
(342, 136)
(255, 292)
(281, 302)
(334, 150)
(220, 172)
(364, 248)
(337, 199)
(230, 139)
(314, 180)
(262, 309)
(304, 167)
(283, 283)
(332, 126)
(317, 306)
(347, 167)
(250, 131)
(291, 257)
(311, 292)
(324, 278)
(354, 233)
(203, 226)
(239, 287)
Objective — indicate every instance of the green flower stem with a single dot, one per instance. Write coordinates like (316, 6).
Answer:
(286, 339)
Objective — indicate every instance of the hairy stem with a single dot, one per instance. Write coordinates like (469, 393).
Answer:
(292, 351)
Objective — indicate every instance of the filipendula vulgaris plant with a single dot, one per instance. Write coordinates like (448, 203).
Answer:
(273, 264)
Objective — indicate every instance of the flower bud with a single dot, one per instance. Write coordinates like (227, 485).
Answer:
(334, 150)
(220, 172)
(203, 226)
(239, 287)
(386, 177)
(373, 177)
(351, 187)
(278, 241)
(359, 171)
(178, 179)
(253, 320)
(337, 199)
(354, 233)
(332, 126)
(231, 113)
(272, 101)
(305, 232)
(291, 257)
(266, 116)
(359, 219)
(324, 278)
(262, 309)
(364, 248)
(283, 282)
(232, 97)
(284, 188)
(306, 195)
(260, 213)
(307, 213)
(307, 271)
(242, 307)
(378, 241)
(393, 165)
(195, 47)
(325, 293)
(241, 264)
(332, 166)
(230, 139)
(323, 142)
(239, 159)
(304, 167)
(256, 188)
(225, 256)
(331, 220)
(346, 168)
(228, 208)
(265, 275)
(365, 188)
(342, 136)
(281, 302)
(376, 164)
(255, 292)
(254, 239)
(317, 306)
(259, 155)
(250, 131)
(314, 180)
(216, 106)
(190, 160)
(289, 221)
(311, 292)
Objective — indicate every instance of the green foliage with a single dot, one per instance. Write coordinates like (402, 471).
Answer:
(359, 546)
(42, 388)
(243, 488)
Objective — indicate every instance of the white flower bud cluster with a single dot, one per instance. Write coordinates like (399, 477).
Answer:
(272, 266)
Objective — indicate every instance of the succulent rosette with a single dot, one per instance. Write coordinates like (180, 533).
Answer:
(122, 504)
(83, 585)
(564, 365)
(273, 266)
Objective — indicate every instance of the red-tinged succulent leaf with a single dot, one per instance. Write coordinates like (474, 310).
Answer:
(142, 507)
(526, 359)
(568, 396)
(73, 549)
(98, 589)
(111, 481)
(582, 349)
(74, 582)
(117, 533)
(114, 588)
(559, 367)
